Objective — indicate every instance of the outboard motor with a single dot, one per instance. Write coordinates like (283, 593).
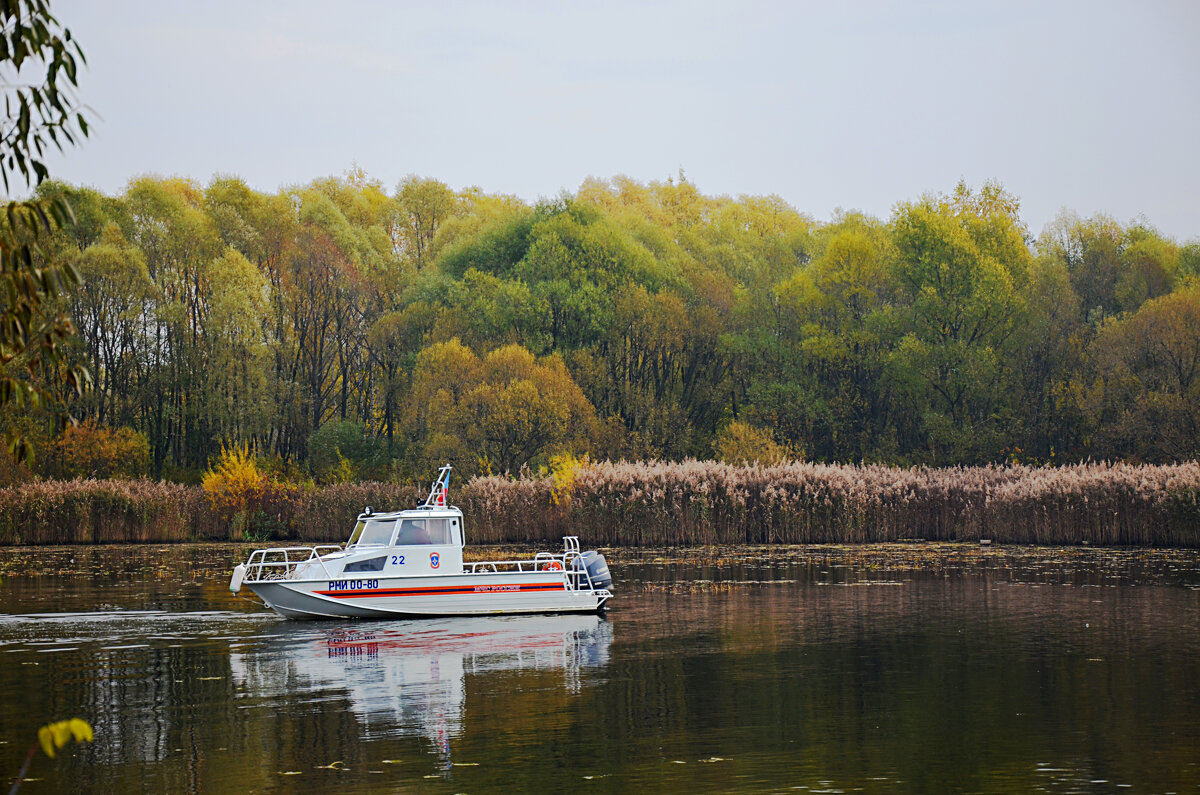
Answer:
(596, 566)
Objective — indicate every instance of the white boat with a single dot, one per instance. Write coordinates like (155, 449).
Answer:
(409, 564)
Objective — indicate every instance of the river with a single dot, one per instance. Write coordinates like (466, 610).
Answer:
(891, 668)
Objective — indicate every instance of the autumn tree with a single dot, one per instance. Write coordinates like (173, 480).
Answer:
(1143, 397)
(504, 410)
(1112, 269)
(635, 320)
(742, 443)
(91, 451)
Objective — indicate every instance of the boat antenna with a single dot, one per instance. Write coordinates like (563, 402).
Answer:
(441, 488)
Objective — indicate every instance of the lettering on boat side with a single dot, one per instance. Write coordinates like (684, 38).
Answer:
(496, 588)
(352, 585)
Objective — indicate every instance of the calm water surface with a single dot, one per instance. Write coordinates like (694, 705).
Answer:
(905, 668)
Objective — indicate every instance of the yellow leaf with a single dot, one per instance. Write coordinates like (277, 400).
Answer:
(55, 735)
(81, 729)
(44, 737)
(62, 733)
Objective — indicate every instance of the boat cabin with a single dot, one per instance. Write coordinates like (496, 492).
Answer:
(418, 541)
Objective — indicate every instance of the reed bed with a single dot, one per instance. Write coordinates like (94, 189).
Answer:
(103, 512)
(654, 503)
(705, 502)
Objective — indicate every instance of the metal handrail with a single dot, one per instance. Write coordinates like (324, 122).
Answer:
(574, 577)
(259, 568)
(508, 566)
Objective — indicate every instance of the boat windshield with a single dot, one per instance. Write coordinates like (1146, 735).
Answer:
(372, 532)
(423, 531)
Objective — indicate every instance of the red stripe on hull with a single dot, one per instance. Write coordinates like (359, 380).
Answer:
(444, 590)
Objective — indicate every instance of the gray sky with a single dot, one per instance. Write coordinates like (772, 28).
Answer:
(1093, 106)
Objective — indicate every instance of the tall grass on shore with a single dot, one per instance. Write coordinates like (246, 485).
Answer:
(103, 512)
(705, 502)
(667, 504)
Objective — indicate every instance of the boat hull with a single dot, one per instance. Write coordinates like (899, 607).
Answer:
(427, 596)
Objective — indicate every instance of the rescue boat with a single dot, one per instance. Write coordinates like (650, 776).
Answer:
(409, 564)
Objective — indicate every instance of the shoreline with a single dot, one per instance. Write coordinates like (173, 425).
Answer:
(207, 565)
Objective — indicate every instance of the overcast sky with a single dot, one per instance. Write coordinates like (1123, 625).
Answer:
(1092, 106)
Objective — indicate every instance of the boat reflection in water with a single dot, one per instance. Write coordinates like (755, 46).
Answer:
(407, 678)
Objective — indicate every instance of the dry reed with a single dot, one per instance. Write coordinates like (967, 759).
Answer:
(668, 504)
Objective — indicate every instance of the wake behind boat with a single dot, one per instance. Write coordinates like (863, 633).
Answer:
(410, 564)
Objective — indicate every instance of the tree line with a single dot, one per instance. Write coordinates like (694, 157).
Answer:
(344, 332)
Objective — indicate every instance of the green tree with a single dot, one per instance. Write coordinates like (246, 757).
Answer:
(961, 262)
(421, 208)
(236, 354)
(168, 225)
(492, 238)
(1149, 267)
(835, 326)
(394, 341)
(111, 316)
(40, 113)
(336, 445)
(1045, 355)
(1189, 262)
(490, 311)
(1113, 269)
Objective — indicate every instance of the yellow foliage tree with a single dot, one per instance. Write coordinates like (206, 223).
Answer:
(508, 409)
(564, 468)
(88, 450)
(233, 485)
(741, 443)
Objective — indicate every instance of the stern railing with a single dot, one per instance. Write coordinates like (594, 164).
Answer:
(575, 577)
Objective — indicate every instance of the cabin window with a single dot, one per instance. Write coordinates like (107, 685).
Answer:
(423, 531)
(373, 532)
(412, 531)
(439, 531)
(374, 564)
